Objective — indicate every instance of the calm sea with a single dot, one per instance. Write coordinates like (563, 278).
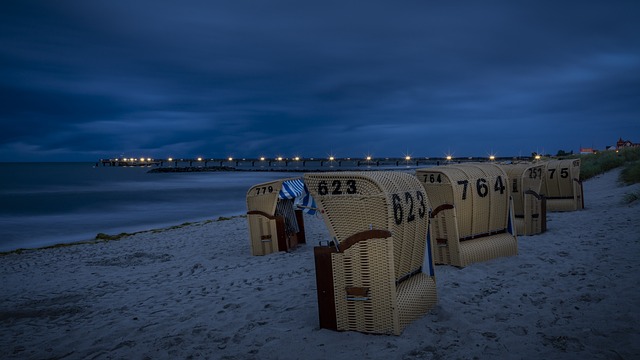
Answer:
(50, 203)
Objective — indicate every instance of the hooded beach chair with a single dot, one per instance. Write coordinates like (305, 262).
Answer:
(275, 220)
(562, 186)
(472, 218)
(529, 206)
(376, 273)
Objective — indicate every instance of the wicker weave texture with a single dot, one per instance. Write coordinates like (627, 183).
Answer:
(561, 205)
(487, 248)
(415, 296)
(478, 196)
(525, 181)
(387, 270)
(445, 237)
(352, 202)
(262, 235)
(366, 265)
(479, 193)
(262, 231)
(562, 185)
(264, 197)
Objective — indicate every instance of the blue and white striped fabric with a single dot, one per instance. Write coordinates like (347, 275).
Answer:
(296, 189)
(291, 189)
(308, 203)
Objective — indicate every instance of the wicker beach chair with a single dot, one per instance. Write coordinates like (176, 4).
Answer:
(376, 274)
(529, 206)
(274, 223)
(562, 186)
(472, 218)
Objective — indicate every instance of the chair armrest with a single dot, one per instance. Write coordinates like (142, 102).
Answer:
(256, 212)
(439, 209)
(535, 194)
(362, 236)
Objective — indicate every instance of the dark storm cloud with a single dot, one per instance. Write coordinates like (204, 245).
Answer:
(200, 78)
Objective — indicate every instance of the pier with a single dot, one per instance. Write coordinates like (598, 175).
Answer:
(298, 163)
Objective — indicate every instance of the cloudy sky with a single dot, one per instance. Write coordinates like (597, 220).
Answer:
(84, 80)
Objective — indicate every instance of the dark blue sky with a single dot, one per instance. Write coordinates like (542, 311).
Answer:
(83, 80)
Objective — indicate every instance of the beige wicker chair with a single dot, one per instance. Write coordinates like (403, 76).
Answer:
(271, 230)
(472, 219)
(373, 276)
(562, 186)
(529, 207)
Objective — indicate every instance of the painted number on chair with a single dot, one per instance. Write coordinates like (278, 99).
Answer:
(536, 173)
(482, 188)
(337, 187)
(433, 178)
(564, 173)
(405, 203)
(263, 190)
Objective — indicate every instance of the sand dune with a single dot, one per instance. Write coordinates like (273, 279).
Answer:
(195, 292)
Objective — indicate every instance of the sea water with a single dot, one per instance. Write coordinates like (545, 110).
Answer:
(44, 204)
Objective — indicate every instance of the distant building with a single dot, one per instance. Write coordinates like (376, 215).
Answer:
(587, 151)
(626, 143)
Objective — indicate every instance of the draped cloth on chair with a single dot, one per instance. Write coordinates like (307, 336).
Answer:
(297, 189)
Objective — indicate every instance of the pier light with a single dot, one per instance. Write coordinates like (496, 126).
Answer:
(492, 157)
(331, 158)
(537, 157)
(141, 159)
(262, 158)
(297, 158)
(170, 159)
(407, 158)
(199, 159)
(279, 158)
(230, 158)
(148, 159)
(368, 158)
(449, 157)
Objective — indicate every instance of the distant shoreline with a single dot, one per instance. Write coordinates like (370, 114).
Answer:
(191, 169)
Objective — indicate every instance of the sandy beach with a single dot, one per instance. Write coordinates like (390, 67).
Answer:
(195, 292)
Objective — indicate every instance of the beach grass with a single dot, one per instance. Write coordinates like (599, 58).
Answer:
(631, 173)
(631, 197)
(599, 163)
